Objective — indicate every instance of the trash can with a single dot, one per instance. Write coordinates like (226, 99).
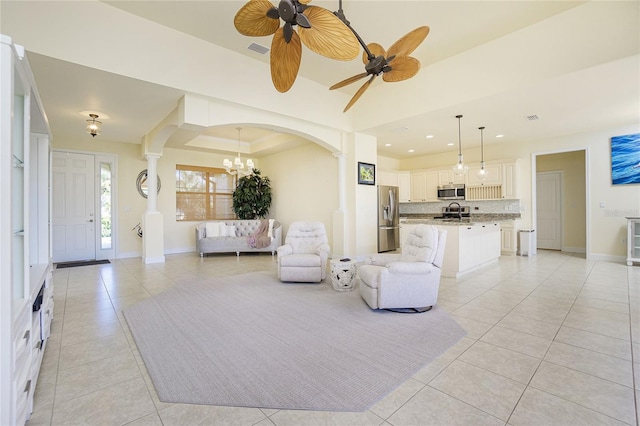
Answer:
(527, 243)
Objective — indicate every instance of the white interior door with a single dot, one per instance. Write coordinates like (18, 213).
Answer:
(549, 210)
(73, 205)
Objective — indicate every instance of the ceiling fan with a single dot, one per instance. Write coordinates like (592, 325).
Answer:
(318, 28)
(394, 64)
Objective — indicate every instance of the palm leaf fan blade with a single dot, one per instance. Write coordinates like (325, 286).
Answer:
(285, 60)
(328, 35)
(359, 93)
(252, 20)
(402, 68)
(376, 50)
(348, 81)
(409, 42)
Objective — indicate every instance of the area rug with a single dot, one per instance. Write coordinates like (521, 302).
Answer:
(251, 341)
(80, 263)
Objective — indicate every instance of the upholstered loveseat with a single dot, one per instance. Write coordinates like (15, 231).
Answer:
(228, 236)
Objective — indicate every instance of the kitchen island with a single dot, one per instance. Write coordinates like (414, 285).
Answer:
(472, 242)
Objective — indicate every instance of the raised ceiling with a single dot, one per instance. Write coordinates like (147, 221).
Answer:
(579, 90)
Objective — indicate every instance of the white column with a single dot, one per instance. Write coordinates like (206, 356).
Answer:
(152, 182)
(152, 220)
(339, 228)
(341, 180)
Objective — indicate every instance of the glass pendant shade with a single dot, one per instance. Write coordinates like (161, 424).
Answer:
(93, 125)
(482, 173)
(460, 168)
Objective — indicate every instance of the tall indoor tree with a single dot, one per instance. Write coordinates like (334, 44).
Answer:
(252, 196)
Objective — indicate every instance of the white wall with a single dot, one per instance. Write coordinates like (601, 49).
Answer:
(304, 182)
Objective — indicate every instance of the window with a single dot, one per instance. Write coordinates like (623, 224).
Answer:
(105, 206)
(204, 193)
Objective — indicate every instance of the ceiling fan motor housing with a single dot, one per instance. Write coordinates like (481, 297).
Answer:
(290, 9)
(376, 65)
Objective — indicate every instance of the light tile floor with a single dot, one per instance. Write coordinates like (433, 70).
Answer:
(553, 339)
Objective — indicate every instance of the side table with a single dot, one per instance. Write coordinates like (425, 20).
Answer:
(343, 274)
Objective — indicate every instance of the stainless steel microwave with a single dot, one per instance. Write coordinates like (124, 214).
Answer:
(451, 192)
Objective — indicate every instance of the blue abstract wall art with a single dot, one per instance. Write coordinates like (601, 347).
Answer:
(625, 159)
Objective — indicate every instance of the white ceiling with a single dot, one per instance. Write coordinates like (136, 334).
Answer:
(580, 95)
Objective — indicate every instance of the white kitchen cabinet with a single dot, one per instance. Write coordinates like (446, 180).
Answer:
(510, 180)
(431, 185)
(26, 291)
(418, 186)
(404, 185)
(424, 186)
(633, 240)
(470, 247)
(494, 175)
(447, 177)
(509, 237)
(387, 178)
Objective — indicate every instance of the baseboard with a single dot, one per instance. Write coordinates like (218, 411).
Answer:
(607, 257)
(180, 250)
(128, 255)
(574, 249)
(156, 259)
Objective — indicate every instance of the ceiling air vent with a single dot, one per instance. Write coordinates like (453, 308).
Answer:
(532, 117)
(257, 48)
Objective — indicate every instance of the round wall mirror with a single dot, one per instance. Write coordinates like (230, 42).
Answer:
(141, 183)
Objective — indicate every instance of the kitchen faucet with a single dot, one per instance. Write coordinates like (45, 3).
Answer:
(459, 209)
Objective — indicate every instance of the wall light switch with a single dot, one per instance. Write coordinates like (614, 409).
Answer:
(602, 204)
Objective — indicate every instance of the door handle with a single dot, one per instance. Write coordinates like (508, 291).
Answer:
(90, 220)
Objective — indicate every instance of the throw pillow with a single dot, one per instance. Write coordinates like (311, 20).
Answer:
(212, 229)
(231, 231)
(223, 229)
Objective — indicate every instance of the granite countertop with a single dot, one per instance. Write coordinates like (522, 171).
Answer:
(415, 219)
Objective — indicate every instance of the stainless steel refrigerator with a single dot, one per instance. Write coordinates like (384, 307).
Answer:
(388, 220)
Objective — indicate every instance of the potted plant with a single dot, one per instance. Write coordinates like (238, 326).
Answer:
(252, 196)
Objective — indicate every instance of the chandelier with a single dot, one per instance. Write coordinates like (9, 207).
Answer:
(237, 167)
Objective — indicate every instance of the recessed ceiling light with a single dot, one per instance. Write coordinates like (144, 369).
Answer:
(412, 150)
(499, 136)
(387, 144)
(450, 144)
(429, 136)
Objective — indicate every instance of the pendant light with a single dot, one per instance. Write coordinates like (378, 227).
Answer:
(460, 169)
(93, 125)
(482, 173)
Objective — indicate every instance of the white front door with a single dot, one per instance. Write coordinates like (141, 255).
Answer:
(549, 210)
(72, 205)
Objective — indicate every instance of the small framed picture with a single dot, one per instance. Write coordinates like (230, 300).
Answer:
(366, 173)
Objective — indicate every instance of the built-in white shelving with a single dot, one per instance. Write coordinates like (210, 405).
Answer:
(633, 240)
(26, 286)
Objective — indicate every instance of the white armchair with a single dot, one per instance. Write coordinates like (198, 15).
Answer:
(407, 281)
(303, 257)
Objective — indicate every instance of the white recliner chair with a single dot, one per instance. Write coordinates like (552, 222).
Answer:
(303, 257)
(406, 282)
